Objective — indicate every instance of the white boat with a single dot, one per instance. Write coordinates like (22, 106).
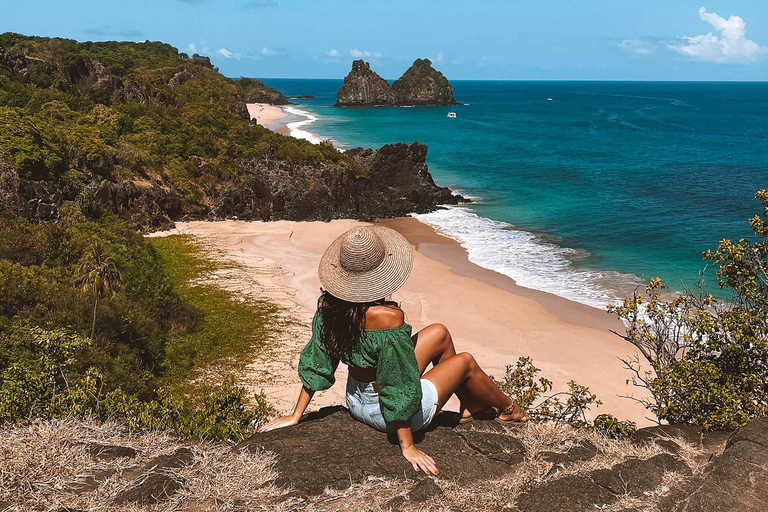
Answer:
(452, 115)
(550, 99)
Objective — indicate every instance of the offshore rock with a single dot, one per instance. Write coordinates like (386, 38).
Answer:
(363, 87)
(423, 85)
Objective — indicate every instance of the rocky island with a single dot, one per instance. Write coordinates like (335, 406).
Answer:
(421, 84)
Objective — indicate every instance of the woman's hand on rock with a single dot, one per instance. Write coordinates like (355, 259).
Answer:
(420, 460)
(282, 421)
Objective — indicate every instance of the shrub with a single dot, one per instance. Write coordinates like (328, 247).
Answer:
(708, 359)
(45, 385)
(569, 407)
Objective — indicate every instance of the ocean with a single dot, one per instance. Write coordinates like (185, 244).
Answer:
(581, 189)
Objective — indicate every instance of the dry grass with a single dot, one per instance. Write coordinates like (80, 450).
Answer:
(39, 461)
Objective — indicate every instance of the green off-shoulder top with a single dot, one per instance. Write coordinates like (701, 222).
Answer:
(390, 351)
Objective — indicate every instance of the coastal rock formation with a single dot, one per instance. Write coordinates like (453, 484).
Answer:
(363, 87)
(329, 449)
(423, 85)
(390, 182)
(336, 450)
(483, 466)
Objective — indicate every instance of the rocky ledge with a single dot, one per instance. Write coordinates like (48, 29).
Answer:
(331, 462)
(330, 450)
(421, 84)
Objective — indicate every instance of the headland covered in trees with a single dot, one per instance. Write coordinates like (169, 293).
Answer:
(102, 141)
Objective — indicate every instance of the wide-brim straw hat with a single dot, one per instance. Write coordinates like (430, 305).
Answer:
(365, 264)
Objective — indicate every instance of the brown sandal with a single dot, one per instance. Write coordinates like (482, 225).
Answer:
(483, 414)
(517, 411)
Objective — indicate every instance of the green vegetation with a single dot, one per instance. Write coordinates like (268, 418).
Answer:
(75, 113)
(568, 407)
(231, 327)
(708, 360)
(146, 342)
(254, 91)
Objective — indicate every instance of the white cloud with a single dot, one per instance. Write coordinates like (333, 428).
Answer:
(638, 46)
(226, 53)
(731, 47)
(359, 54)
(267, 52)
(333, 53)
(439, 58)
(191, 49)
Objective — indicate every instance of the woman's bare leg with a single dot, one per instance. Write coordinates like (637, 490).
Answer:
(434, 344)
(463, 370)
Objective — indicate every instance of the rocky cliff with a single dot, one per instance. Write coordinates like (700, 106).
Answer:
(421, 84)
(363, 87)
(389, 182)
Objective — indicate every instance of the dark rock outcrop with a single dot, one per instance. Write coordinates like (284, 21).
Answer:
(737, 479)
(109, 451)
(156, 481)
(601, 487)
(390, 182)
(664, 436)
(330, 449)
(422, 84)
(364, 87)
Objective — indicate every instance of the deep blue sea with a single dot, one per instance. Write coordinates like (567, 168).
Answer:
(583, 189)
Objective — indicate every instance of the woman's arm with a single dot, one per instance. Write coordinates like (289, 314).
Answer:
(416, 457)
(292, 419)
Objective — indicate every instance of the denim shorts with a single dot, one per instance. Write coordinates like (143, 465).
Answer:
(364, 405)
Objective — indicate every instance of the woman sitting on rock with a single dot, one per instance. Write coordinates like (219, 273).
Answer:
(385, 387)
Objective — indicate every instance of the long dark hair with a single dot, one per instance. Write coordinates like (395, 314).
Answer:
(343, 322)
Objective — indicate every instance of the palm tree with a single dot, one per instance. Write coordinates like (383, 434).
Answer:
(101, 274)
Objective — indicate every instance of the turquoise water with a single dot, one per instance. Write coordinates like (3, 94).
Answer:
(586, 195)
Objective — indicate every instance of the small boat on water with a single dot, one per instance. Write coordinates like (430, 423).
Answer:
(452, 115)
(550, 99)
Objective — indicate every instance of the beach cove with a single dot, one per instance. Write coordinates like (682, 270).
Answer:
(486, 312)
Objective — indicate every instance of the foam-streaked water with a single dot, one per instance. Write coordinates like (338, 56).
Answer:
(607, 184)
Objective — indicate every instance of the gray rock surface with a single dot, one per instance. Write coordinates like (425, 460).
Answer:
(736, 480)
(156, 481)
(330, 449)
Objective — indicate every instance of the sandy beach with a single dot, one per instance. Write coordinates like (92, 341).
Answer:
(487, 313)
(270, 116)
(274, 117)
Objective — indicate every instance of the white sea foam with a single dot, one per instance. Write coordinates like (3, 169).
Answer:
(296, 126)
(528, 259)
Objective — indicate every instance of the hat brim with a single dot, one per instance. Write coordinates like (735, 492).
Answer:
(373, 284)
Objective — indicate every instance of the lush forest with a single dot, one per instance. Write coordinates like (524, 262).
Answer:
(138, 112)
(95, 319)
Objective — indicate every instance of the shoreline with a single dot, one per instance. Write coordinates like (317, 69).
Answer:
(280, 119)
(488, 314)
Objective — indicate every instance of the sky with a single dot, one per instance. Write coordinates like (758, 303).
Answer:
(488, 40)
